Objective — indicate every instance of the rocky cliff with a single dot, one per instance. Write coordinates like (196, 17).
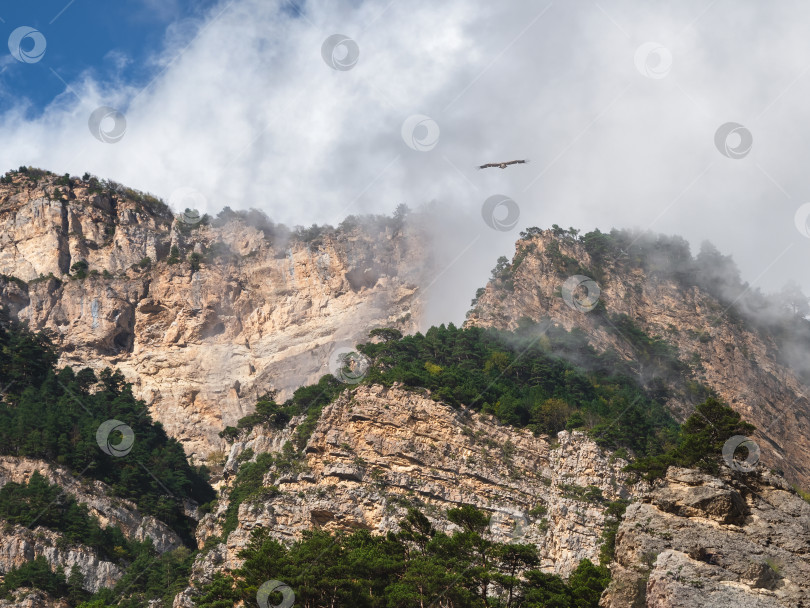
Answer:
(740, 363)
(205, 315)
(19, 545)
(696, 540)
(97, 496)
(237, 311)
(377, 451)
(33, 598)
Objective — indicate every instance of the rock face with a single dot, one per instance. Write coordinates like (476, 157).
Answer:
(97, 496)
(19, 545)
(738, 363)
(200, 339)
(697, 540)
(32, 598)
(376, 451)
(205, 317)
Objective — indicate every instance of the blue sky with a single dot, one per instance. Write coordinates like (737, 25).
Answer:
(110, 41)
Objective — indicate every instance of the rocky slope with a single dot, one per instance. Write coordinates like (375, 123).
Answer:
(33, 598)
(97, 496)
(376, 451)
(737, 362)
(204, 317)
(696, 540)
(200, 342)
(19, 544)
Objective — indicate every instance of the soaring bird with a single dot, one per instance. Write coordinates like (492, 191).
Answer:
(503, 165)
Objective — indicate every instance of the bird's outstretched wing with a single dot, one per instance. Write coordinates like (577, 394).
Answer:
(502, 165)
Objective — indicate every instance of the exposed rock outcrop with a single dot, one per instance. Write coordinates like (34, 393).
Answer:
(110, 511)
(32, 598)
(200, 342)
(19, 545)
(696, 540)
(737, 362)
(376, 451)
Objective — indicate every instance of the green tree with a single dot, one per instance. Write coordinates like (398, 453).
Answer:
(701, 441)
(75, 586)
(79, 269)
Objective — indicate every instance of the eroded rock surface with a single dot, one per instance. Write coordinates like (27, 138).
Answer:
(96, 495)
(740, 364)
(19, 545)
(200, 343)
(698, 540)
(376, 451)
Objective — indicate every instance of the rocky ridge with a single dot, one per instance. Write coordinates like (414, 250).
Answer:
(201, 339)
(19, 545)
(376, 451)
(241, 312)
(738, 540)
(737, 362)
(109, 510)
(32, 598)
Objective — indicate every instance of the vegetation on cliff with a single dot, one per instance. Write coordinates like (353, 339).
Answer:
(526, 378)
(780, 316)
(55, 414)
(541, 377)
(40, 503)
(700, 441)
(415, 566)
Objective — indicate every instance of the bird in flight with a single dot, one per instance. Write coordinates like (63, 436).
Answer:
(503, 165)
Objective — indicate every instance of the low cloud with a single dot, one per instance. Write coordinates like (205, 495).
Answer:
(243, 108)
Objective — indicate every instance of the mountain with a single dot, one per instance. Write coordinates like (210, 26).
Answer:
(243, 307)
(290, 422)
(686, 325)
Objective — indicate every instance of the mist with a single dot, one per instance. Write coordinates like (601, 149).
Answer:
(616, 105)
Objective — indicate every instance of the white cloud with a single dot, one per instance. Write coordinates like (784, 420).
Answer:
(245, 110)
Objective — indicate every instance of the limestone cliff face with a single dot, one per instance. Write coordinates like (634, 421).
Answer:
(204, 318)
(19, 545)
(376, 451)
(45, 233)
(32, 598)
(199, 341)
(737, 541)
(97, 496)
(740, 364)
